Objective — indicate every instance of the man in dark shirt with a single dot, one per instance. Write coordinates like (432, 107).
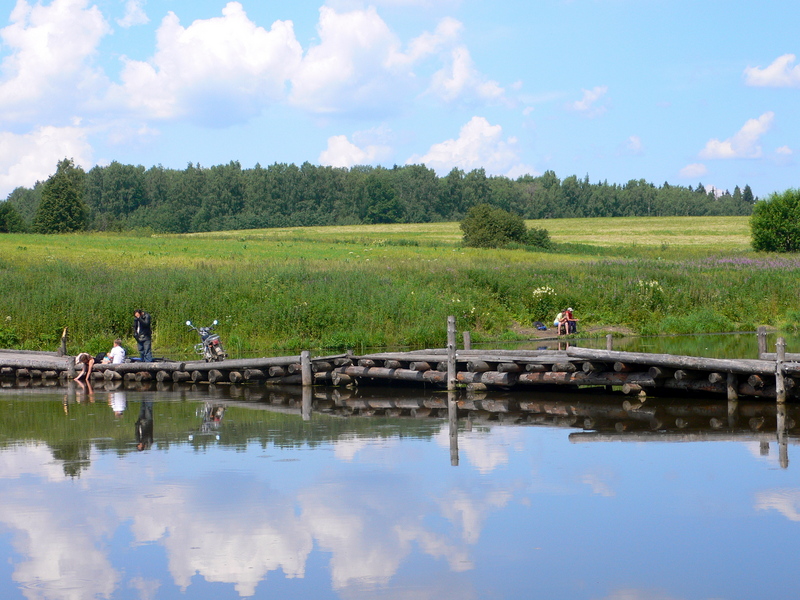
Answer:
(143, 334)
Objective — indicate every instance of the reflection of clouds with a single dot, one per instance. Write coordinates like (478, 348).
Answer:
(487, 449)
(369, 531)
(468, 513)
(346, 448)
(233, 530)
(61, 542)
(598, 480)
(30, 459)
(786, 502)
(239, 543)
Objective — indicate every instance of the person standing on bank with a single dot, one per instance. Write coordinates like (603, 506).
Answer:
(142, 332)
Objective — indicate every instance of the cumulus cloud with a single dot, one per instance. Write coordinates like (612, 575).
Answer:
(460, 77)
(744, 143)
(341, 152)
(357, 65)
(27, 158)
(588, 104)
(781, 73)
(479, 145)
(693, 171)
(49, 67)
(217, 71)
(134, 14)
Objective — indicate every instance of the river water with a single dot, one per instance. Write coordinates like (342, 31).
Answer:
(226, 492)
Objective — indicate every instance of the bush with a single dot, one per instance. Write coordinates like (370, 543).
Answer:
(775, 223)
(486, 226)
(539, 238)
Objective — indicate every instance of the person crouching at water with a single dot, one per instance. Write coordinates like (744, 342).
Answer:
(86, 362)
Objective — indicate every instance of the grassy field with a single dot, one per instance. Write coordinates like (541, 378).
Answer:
(389, 285)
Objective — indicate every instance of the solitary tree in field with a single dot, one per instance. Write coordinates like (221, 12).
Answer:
(62, 208)
(775, 223)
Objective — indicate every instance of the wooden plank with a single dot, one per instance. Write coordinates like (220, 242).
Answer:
(723, 365)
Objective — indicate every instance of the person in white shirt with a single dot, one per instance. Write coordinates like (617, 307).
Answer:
(116, 355)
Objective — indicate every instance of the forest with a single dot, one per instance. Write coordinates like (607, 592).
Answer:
(121, 197)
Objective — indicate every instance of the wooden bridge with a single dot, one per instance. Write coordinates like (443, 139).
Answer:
(771, 376)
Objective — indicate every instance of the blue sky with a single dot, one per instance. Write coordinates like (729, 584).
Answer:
(666, 90)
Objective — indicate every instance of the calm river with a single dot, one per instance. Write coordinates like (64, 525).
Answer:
(235, 493)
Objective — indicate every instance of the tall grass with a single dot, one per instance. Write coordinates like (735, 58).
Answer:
(360, 287)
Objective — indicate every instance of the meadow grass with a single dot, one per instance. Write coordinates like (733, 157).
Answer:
(333, 288)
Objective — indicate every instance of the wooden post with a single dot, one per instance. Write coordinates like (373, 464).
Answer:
(783, 444)
(780, 384)
(761, 332)
(305, 409)
(467, 340)
(305, 368)
(609, 342)
(62, 351)
(733, 386)
(452, 415)
(451, 353)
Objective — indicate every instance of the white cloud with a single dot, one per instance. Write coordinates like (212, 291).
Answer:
(479, 145)
(31, 157)
(341, 152)
(784, 150)
(446, 33)
(780, 73)
(134, 14)
(693, 171)
(356, 65)
(633, 145)
(587, 105)
(49, 67)
(460, 78)
(218, 71)
(744, 143)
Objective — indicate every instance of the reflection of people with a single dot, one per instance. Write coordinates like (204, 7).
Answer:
(142, 331)
(118, 402)
(86, 362)
(116, 355)
(144, 426)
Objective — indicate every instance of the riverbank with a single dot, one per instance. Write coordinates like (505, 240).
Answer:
(386, 286)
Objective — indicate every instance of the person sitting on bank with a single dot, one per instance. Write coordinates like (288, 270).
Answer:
(561, 322)
(116, 355)
(571, 321)
(86, 362)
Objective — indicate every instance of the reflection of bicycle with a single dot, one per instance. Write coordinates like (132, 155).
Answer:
(211, 415)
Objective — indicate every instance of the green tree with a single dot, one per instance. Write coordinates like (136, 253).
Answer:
(10, 221)
(62, 208)
(775, 223)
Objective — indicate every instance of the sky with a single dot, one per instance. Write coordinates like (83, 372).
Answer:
(677, 91)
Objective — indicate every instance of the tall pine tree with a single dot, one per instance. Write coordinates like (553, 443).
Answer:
(62, 209)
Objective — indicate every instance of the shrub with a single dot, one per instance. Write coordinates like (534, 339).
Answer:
(486, 226)
(775, 223)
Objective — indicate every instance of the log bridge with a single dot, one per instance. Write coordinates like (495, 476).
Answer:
(773, 376)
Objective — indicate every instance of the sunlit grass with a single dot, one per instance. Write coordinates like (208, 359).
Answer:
(389, 285)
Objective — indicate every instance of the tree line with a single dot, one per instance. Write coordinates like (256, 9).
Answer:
(225, 197)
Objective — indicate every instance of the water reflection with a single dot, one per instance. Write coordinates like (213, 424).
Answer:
(257, 493)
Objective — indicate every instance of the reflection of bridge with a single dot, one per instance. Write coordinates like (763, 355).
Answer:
(600, 417)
